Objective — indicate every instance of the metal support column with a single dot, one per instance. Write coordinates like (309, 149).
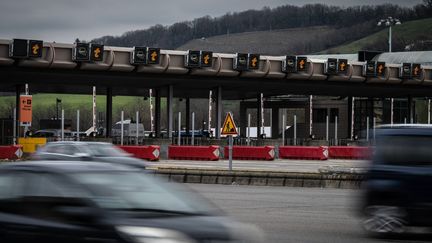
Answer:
(218, 112)
(259, 117)
(17, 108)
(157, 113)
(188, 115)
(275, 123)
(108, 119)
(170, 110)
(243, 125)
(411, 110)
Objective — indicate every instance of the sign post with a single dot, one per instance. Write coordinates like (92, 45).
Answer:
(229, 128)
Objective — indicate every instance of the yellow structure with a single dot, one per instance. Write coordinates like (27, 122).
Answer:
(30, 145)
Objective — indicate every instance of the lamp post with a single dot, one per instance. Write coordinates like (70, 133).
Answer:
(389, 22)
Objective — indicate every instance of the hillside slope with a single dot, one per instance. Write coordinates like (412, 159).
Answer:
(281, 42)
(416, 35)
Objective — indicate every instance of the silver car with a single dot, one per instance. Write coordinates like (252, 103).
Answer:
(86, 151)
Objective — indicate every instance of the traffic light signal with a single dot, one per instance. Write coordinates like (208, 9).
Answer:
(153, 55)
(405, 71)
(241, 62)
(35, 48)
(206, 58)
(289, 65)
(253, 61)
(80, 52)
(302, 64)
(97, 52)
(332, 66)
(138, 55)
(370, 69)
(416, 70)
(192, 59)
(22, 48)
(342, 66)
(380, 69)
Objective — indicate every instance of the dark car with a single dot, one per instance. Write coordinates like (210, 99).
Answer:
(398, 185)
(86, 151)
(47, 201)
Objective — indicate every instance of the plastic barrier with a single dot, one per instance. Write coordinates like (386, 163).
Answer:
(30, 145)
(11, 152)
(193, 152)
(151, 152)
(251, 152)
(350, 152)
(303, 152)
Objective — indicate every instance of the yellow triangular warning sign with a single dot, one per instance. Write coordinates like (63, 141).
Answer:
(229, 127)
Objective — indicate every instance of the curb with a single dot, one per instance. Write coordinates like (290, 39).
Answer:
(256, 178)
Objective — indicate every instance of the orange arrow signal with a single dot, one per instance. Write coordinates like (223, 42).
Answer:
(254, 62)
(153, 56)
(342, 66)
(206, 59)
(416, 70)
(302, 63)
(380, 68)
(96, 52)
(35, 49)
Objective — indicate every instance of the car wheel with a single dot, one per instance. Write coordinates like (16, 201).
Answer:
(384, 220)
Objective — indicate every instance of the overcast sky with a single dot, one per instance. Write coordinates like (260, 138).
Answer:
(65, 20)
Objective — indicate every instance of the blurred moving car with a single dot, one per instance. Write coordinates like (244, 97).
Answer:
(398, 185)
(86, 151)
(58, 201)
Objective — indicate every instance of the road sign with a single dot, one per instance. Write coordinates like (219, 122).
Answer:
(18, 48)
(139, 55)
(370, 69)
(380, 69)
(416, 70)
(153, 55)
(229, 127)
(332, 66)
(96, 52)
(192, 59)
(342, 66)
(253, 61)
(25, 114)
(241, 62)
(290, 64)
(206, 58)
(302, 64)
(35, 48)
(405, 71)
(81, 52)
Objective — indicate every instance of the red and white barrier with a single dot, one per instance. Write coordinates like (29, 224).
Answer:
(251, 152)
(193, 152)
(11, 152)
(151, 152)
(350, 152)
(303, 152)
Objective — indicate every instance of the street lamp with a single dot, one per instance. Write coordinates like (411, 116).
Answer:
(389, 22)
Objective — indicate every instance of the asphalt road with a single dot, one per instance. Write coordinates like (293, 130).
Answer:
(295, 214)
(276, 165)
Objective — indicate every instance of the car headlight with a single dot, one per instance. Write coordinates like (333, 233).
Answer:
(142, 234)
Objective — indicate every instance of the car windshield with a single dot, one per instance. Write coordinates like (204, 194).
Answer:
(105, 150)
(408, 150)
(134, 191)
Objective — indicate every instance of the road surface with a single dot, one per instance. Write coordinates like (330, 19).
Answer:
(295, 214)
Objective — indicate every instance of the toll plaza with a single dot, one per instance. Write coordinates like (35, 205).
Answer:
(339, 95)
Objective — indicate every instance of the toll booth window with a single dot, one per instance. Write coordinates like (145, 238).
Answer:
(319, 115)
(334, 112)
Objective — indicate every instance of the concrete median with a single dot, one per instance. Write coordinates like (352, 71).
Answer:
(259, 178)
